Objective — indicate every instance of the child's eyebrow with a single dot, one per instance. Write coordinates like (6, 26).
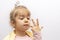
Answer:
(28, 14)
(21, 15)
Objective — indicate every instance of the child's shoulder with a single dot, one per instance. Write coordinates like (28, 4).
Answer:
(7, 37)
(10, 36)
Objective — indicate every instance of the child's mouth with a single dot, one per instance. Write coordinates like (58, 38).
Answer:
(26, 25)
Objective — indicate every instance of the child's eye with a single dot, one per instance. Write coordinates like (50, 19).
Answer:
(21, 18)
(28, 18)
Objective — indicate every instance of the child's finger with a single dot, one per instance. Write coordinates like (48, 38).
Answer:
(33, 22)
(37, 22)
(33, 30)
(41, 28)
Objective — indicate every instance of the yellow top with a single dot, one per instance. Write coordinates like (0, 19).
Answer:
(12, 35)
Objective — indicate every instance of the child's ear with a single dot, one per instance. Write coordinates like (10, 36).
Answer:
(12, 23)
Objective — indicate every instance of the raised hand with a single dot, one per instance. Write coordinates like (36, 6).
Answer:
(36, 30)
(36, 26)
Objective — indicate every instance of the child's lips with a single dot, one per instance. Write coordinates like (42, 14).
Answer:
(26, 25)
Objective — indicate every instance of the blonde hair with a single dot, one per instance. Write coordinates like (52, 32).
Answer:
(14, 12)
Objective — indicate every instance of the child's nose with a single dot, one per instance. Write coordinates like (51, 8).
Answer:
(26, 20)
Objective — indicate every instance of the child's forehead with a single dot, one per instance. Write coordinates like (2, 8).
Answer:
(23, 12)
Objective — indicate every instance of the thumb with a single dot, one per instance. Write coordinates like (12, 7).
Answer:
(32, 29)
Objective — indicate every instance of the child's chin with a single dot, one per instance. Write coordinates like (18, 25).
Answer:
(26, 28)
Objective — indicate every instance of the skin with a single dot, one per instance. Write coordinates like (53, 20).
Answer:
(22, 19)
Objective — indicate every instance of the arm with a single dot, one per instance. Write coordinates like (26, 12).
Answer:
(37, 36)
(36, 30)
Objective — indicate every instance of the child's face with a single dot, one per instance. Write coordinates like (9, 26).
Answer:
(22, 20)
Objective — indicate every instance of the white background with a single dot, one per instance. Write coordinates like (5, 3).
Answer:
(48, 12)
